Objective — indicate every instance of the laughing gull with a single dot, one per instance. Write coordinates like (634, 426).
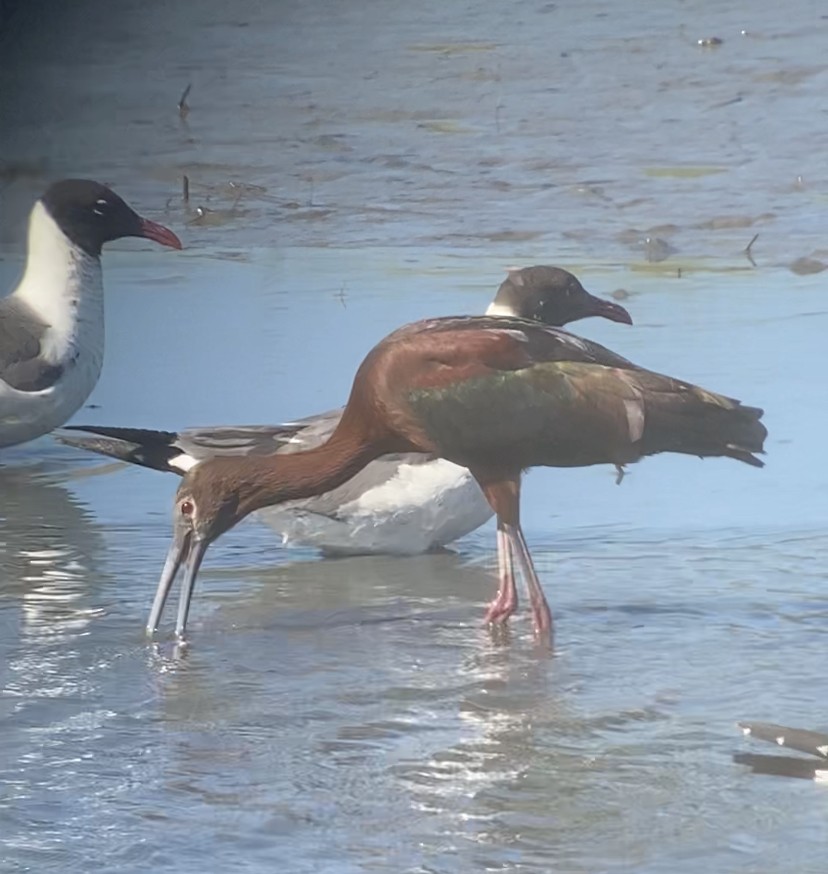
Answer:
(52, 325)
(401, 504)
(814, 743)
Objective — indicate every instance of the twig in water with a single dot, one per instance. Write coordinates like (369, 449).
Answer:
(185, 188)
(749, 247)
(183, 109)
(239, 191)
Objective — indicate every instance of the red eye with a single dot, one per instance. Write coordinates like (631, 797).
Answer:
(187, 508)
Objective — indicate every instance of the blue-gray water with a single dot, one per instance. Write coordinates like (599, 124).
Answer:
(366, 164)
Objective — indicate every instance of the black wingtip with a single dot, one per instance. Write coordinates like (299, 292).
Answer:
(134, 435)
(153, 449)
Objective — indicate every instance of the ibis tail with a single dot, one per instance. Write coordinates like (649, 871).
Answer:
(680, 417)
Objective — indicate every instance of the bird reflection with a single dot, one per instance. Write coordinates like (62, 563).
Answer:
(49, 549)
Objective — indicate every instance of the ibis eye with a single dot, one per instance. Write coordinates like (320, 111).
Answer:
(187, 507)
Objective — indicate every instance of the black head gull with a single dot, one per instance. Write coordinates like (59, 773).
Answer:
(52, 324)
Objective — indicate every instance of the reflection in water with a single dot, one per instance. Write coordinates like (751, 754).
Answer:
(48, 553)
(325, 706)
(354, 699)
(351, 717)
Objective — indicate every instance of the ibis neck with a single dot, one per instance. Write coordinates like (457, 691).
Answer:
(293, 476)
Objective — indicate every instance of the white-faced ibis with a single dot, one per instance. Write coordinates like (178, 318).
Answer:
(495, 395)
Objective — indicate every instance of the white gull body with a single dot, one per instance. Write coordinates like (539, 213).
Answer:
(405, 506)
(421, 508)
(58, 307)
(397, 504)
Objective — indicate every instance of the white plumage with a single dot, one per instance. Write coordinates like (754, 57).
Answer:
(62, 287)
(52, 324)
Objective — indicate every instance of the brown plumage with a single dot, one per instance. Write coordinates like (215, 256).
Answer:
(496, 395)
(402, 503)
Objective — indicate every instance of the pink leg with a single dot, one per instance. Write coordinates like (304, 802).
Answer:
(506, 600)
(541, 614)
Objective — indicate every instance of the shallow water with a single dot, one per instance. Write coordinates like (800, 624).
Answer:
(353, 715)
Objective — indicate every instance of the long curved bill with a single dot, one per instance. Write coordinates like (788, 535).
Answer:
(185, 549)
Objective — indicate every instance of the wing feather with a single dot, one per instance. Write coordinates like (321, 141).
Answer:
(21, 363)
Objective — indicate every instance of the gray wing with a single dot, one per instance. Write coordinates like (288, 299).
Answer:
(175, 451)
(21, 364)
(298, 436)
(815, 743)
